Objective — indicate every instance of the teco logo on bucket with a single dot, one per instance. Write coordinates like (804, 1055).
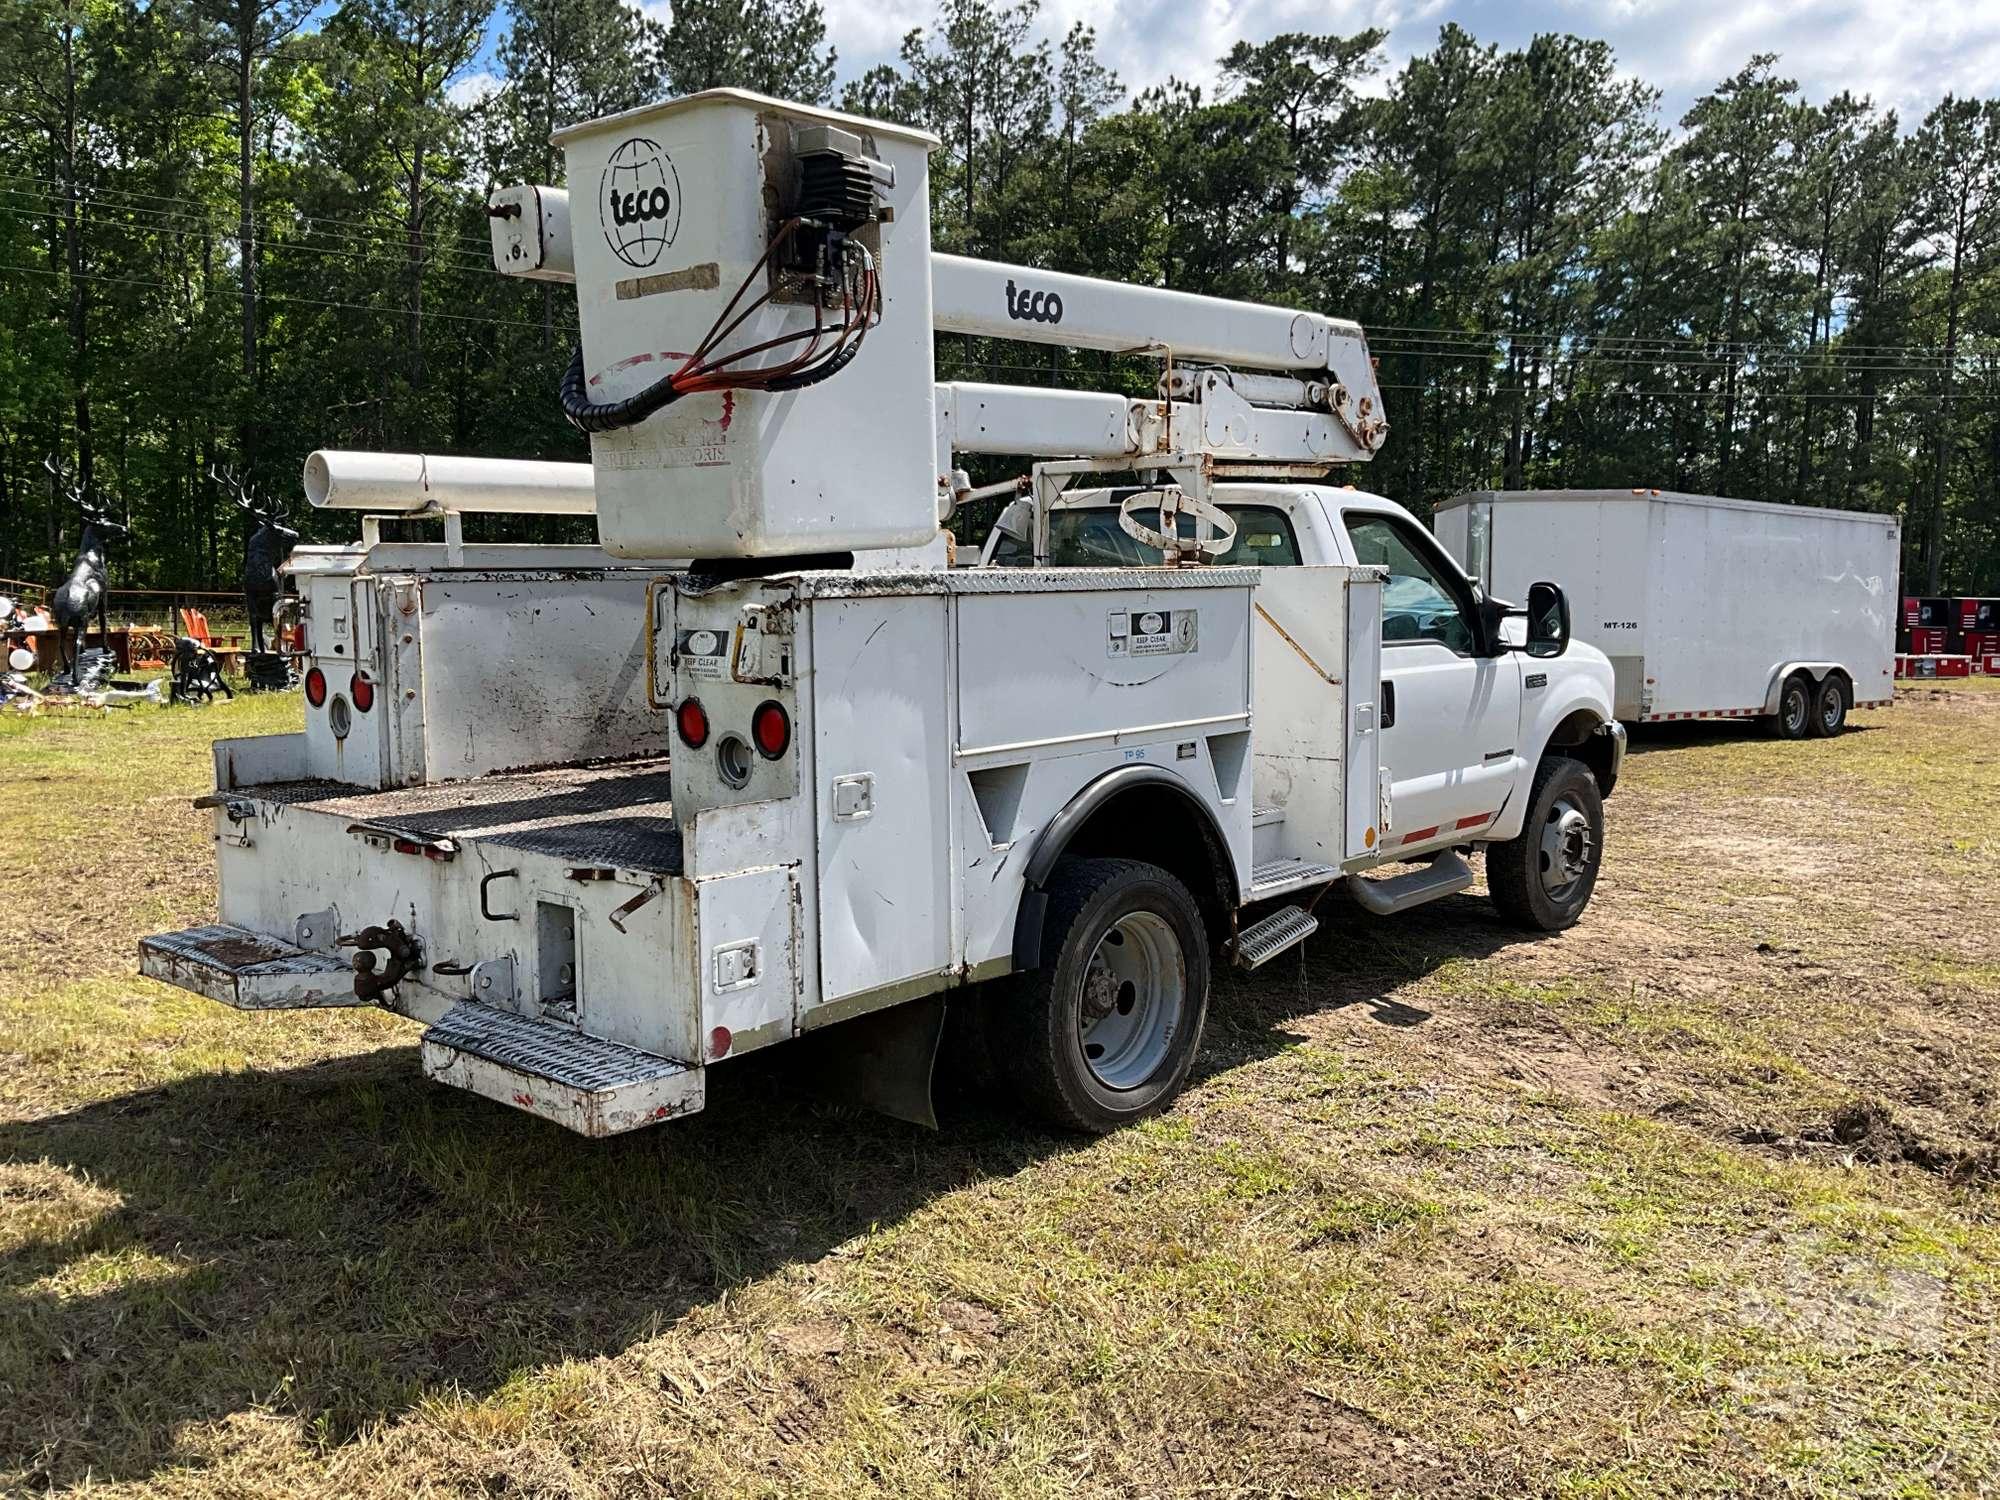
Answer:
(639, 203)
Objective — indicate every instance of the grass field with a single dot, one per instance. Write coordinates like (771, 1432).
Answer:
(1702, 1197)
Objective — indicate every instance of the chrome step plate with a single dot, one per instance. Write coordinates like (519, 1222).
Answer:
(1278, 877)
(246, 969)
(585, 1083)
(1283, 930)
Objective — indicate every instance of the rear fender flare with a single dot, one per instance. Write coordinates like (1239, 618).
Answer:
(1075, 816)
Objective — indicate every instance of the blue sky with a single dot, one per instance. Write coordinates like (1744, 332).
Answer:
(1905, 53)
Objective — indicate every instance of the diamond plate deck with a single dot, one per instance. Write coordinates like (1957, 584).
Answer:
(609, 815)
(1277, 877)
(246, 969)
(590, 1085)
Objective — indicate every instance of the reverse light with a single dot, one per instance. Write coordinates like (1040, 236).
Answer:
(364, 693)
(771, 729)
(316, 688)
(691, 719)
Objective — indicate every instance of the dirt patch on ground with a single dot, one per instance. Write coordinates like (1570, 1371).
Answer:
(1870, 1132)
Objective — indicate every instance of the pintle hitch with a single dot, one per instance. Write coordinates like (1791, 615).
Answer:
(406, 955)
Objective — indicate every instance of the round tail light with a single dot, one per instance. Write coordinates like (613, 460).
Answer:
(691, 719)
(771, 729)
(316, 688)
(364, 693)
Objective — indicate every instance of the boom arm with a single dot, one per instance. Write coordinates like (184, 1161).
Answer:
(1081, 312)
(1308, 394)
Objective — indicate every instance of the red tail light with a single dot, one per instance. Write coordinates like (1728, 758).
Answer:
(364, 693)
(771, 729)
(691, 719)
(316, 688)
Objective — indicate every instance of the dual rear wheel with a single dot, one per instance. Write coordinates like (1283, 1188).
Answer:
(1105, 1031)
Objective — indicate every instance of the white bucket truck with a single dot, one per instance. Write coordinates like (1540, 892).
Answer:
(603, 820)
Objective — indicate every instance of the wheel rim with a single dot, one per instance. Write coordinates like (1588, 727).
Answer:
(1830, 710)
(1568, 846)
(1795, 709)
(1133, 993)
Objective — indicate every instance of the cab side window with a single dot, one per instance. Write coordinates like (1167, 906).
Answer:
(1417, 602)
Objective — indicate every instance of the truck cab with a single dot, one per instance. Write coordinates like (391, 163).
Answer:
(1466, 715)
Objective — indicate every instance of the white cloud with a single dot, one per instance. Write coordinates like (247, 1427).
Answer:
(473, 88)
(1905, 53)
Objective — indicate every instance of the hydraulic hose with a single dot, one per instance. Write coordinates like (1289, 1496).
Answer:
(587, 415)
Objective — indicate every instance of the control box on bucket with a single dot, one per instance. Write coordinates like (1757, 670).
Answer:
(774, 260)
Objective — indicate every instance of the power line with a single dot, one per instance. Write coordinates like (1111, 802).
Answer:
(177, 223)
(363, 225)
(285, 299)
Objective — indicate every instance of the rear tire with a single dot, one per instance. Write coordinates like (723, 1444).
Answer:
(1104, 1032)
(1829, 708)
(1542, 879)
(1794, 718)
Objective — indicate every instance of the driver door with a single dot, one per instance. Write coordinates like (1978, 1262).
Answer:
(1449, 716)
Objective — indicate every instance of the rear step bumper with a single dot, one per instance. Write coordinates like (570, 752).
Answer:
(592, 1086)
(247, 969)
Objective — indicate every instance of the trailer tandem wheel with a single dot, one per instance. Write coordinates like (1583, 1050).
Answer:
(1794, 718)
(1829, 707)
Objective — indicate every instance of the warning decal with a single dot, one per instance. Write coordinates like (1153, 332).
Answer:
(1152, 632)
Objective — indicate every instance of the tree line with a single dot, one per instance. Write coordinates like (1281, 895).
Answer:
(232, 231)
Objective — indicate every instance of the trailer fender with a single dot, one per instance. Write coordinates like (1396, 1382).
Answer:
(1191, 844)
(1817, 670)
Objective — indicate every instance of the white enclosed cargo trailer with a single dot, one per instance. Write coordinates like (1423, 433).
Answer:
(605, 820)
(1708, 608)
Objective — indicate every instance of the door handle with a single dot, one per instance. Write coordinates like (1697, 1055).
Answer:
(1388, 704)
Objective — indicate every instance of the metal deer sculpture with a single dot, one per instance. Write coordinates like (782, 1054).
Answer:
(269, 545)
(81, 595)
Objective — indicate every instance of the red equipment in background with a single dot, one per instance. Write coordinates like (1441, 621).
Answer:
(1929, 625)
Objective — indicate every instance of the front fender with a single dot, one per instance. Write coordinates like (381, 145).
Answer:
(1574, 702)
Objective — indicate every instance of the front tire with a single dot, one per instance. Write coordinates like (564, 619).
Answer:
(1794, 718)
(1104, 1032)
(1829, 709)
(1542, 879)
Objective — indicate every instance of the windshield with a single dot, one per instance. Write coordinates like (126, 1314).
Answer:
(1090, 536)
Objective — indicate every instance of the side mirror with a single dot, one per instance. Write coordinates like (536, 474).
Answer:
(1548, 620)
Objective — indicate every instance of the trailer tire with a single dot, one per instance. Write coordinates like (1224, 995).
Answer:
(1829, 708)
(1542, 878)
(1104, 1031)
(1794, 718)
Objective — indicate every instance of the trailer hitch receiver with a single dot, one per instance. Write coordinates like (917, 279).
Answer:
(406, 954)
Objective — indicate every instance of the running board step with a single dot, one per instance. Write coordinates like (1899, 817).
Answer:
(1446, 875)
(1266, 817)
(1280, 877)
(246, 969)
(1283, 930)
(592, 1086)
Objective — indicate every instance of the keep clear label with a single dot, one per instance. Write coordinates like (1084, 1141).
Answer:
(702, 653)
(1152, 632)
